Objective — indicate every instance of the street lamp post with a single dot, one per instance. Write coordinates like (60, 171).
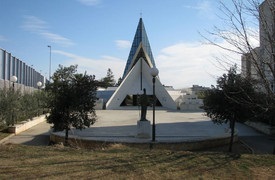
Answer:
(39, 84)
(50, 62)
(13, 79)
(154, 73)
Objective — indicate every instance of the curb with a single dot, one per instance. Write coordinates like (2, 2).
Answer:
(247, 146)
(18, 128)
(2, 141)
(179, 145)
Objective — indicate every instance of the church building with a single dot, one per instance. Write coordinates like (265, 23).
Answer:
(137, 76)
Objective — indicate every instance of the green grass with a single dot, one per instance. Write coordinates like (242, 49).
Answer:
(3, 133)
(121, 162)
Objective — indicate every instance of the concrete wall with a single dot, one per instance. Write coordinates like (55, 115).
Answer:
(264, 128)
(18, 128)
(99, 104)
(184, 146)
(24, 89)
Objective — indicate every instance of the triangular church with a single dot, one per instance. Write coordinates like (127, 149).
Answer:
(137, 76)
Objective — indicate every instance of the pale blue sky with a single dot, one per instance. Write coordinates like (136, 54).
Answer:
(97, 35)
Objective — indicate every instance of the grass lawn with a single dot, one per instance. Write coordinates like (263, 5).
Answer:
(121, 162)
(4, 133)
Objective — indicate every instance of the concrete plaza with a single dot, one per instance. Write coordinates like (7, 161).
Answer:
(171, 126)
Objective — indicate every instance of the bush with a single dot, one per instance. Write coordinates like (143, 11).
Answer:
(16, 107)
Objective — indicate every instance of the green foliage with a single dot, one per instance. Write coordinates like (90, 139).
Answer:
(107, 81)
(16, 107)
(72, 99)
(265, 109)
(9, 106)
(232, 98)
(119, 81)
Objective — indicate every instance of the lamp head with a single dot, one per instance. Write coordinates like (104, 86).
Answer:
(154, 71)
(13, 79)
(39, 84)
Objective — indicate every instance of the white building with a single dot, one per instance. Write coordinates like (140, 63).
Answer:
(137, 76)
(259, 64)
(27, 76)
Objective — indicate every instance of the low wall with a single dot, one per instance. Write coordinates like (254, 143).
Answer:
(184, 146)
(18, 128)
(264, 128)
(4, 84)
(99, 104)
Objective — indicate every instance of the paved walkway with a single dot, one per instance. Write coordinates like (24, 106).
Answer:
(35, 136)
(170, 126)
(259, 142)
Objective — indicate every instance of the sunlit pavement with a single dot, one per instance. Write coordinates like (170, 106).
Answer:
(171, 126)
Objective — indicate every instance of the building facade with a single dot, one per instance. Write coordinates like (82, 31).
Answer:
(27, 76)
(259, 63)
(137, 76)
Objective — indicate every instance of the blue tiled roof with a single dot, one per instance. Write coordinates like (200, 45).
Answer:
(140, 37)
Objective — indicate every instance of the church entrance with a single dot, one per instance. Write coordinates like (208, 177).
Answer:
(133, 100)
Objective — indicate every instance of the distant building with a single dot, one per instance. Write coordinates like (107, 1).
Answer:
(103, 95)
(189, 99)
(259, 64)
(27, 77)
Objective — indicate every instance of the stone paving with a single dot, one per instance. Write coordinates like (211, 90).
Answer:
(37, 135)
(171, 126)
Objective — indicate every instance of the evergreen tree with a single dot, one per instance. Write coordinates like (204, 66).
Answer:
(119, 81)
(72, 100)
(233, 99)
(107, 81)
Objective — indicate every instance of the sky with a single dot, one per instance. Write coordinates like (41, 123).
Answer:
(97, 35)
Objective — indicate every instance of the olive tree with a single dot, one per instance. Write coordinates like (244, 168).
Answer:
(72, 99)
(9, 106)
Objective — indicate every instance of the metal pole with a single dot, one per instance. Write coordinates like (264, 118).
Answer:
(12, 114)
(154, 104)
(50, 62)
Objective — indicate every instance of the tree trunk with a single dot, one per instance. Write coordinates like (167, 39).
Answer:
(66, 137)
(232, 126)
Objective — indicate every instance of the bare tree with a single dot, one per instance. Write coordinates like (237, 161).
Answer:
(258, 63)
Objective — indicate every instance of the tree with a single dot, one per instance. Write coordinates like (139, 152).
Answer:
(258, 63)
(230, 100)
(16, 106)
(107, 81)
(9, 106)
(72, 100)
(119, 81)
